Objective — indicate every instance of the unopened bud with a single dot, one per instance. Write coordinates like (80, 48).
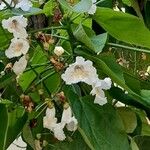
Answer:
(58, 50)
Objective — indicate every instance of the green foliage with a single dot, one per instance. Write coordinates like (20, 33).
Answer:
(12, 124)
(123, 26)
(113, 42)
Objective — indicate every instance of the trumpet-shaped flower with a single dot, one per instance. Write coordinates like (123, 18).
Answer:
(17, 48)
(58, 131)
(67, 119)
(16, 25)
(49, 121)
(80, 71)
(97, 90)
(20, 66)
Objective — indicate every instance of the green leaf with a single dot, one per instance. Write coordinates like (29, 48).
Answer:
(99, 41)
(28, 77)
(27, 135)
(101, 125)
(83, 6)
(74, 142)
(123, 26)
(143, 142)
(48, 8)
(87, 37)
(146, 96)
(129, 118)
(53, 82)
(3, 126)
(134, 145)
(11, 125)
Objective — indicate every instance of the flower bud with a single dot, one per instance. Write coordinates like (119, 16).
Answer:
(58, 50)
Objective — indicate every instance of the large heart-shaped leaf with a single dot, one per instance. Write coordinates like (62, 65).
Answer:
(123, 27)
(102, 126)
(11, 125)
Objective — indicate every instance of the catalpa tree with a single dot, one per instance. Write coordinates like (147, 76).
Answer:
(74, 74)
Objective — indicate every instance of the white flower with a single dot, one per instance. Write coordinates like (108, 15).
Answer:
(67, 119)
(17, 143)
(99, 95)
(16, 25)
(49, 121)
(3, 5)
(80, 71)
(20, 66)
(17, 48)
(66, 115)
(72, 125)
(98, 92)
(58, 132)
(25, 5)
(58, 50)
(93, 8)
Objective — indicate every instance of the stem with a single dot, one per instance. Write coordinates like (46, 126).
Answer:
(61, 37)
(135, 62)
(74, 18)
(40, 112)
(44, 78)
(39, 76)
(129, 48)
(48, 28)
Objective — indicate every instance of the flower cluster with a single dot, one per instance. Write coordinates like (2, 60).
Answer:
(50, 122)
(25, 5)
(84, 71)
(19, 44)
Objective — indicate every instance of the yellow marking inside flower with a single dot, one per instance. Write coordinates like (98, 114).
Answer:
(14, 24)
(79, 71)
(18, 46)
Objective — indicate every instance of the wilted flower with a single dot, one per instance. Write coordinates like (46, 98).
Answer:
(17, 48)
(80, 71)
(16, 25)
(58, 50)
(25, 5)
(92, 9)
(37, 145)
(20, 66)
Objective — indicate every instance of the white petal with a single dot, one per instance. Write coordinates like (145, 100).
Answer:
(58, 132)
(49, 121)
(92, 10)
(100, 100)
(58, 50)
(20, 66)
(66, 115)
(80, 71)
(72, 125)
(17, 48)
(25, 5)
